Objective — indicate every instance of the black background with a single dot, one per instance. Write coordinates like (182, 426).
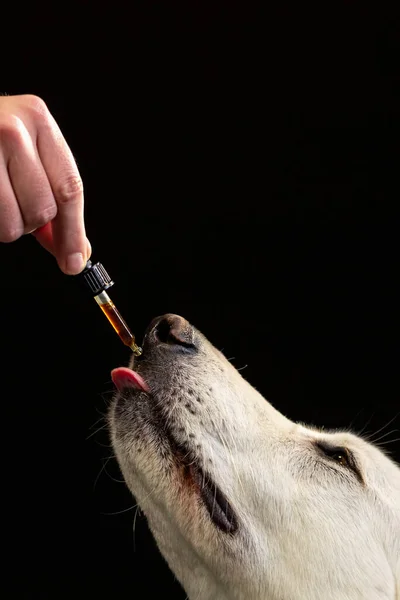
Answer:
(240, 166)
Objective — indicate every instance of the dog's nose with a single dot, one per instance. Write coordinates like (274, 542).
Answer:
(173, 330)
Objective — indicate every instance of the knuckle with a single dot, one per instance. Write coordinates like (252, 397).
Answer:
(8, 235)
(69, 189)
(42, 217)
(35, 105)
(12, 129)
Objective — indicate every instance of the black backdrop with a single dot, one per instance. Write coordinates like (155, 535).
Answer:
(239, 168)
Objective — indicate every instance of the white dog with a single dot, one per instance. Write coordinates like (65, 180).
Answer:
(243, 503)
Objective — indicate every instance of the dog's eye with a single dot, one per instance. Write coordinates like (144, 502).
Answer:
(336, 453)
(341, 456)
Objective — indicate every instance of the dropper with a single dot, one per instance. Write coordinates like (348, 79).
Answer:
(97, 280)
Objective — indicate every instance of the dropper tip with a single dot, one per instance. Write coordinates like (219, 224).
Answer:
(137, 351)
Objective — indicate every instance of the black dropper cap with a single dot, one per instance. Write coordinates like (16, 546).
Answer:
(96, 278)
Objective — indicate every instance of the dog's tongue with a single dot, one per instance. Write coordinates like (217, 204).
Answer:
(125, 378)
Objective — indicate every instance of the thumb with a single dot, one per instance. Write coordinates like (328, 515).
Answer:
(44, 235)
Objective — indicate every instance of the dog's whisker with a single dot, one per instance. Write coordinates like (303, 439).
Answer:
(134, 527)
(118, 512)
(113, 478)
(388, 441)
(100, 472)
(374, 441)
(104, 468)
(96, 422)
(105, 426)
(355, 418)
(384, 426)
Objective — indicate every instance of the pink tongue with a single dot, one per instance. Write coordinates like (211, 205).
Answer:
(125, 378)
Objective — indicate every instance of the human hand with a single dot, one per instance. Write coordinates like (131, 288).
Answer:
(41, 190)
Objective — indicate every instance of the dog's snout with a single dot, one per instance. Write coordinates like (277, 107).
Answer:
(173, 330)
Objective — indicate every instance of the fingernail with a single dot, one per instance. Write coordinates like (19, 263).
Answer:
(75, 263)
(88, 249)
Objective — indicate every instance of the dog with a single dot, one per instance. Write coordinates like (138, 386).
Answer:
(243, 503)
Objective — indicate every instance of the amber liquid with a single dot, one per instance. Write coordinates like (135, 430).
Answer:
(122, 329)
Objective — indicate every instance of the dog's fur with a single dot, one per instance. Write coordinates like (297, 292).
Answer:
(309, 524)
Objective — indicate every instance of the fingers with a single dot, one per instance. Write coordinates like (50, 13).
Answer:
(44, 236)
(28, 179)
(41, 190)
(68, 228)
(11, 221)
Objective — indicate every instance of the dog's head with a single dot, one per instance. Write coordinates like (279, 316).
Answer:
(244, 503)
